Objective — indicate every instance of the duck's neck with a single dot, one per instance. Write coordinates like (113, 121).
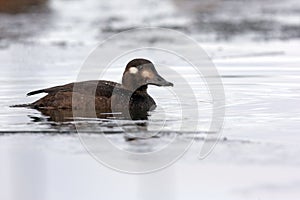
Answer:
(139, 89)
(142, 88)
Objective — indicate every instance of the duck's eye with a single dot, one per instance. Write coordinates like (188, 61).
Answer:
(133, 70)
(140, 67)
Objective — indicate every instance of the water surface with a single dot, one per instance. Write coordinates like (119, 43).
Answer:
(255, 52)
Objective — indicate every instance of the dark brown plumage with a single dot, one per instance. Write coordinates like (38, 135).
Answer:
(130, 98)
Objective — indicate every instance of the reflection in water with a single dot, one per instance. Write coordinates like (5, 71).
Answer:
(66, 115)
(235, 18)
(107, 123)
(23, 20)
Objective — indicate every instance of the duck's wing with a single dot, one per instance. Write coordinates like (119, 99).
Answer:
(98, 88)
(55, 89)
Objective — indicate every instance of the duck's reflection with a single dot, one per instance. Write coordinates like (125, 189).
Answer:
(67, 115)
(96, 122)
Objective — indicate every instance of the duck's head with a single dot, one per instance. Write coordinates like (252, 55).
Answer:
(141, 72)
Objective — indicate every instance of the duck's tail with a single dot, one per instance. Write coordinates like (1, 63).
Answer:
(36, 92)
(21, 106)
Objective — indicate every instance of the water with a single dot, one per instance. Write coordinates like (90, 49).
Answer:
(256, 54)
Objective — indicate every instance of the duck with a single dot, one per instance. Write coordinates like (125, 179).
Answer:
(129, 98)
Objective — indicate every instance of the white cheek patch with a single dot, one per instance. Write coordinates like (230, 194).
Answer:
(146, 74)
(133, 70)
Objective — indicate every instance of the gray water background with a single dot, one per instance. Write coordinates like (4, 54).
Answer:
(254, 45)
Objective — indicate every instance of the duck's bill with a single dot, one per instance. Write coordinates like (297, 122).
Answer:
(159, 81)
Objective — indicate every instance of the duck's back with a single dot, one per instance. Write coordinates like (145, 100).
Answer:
(84, 95)
(79, 95)
(95, 87)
